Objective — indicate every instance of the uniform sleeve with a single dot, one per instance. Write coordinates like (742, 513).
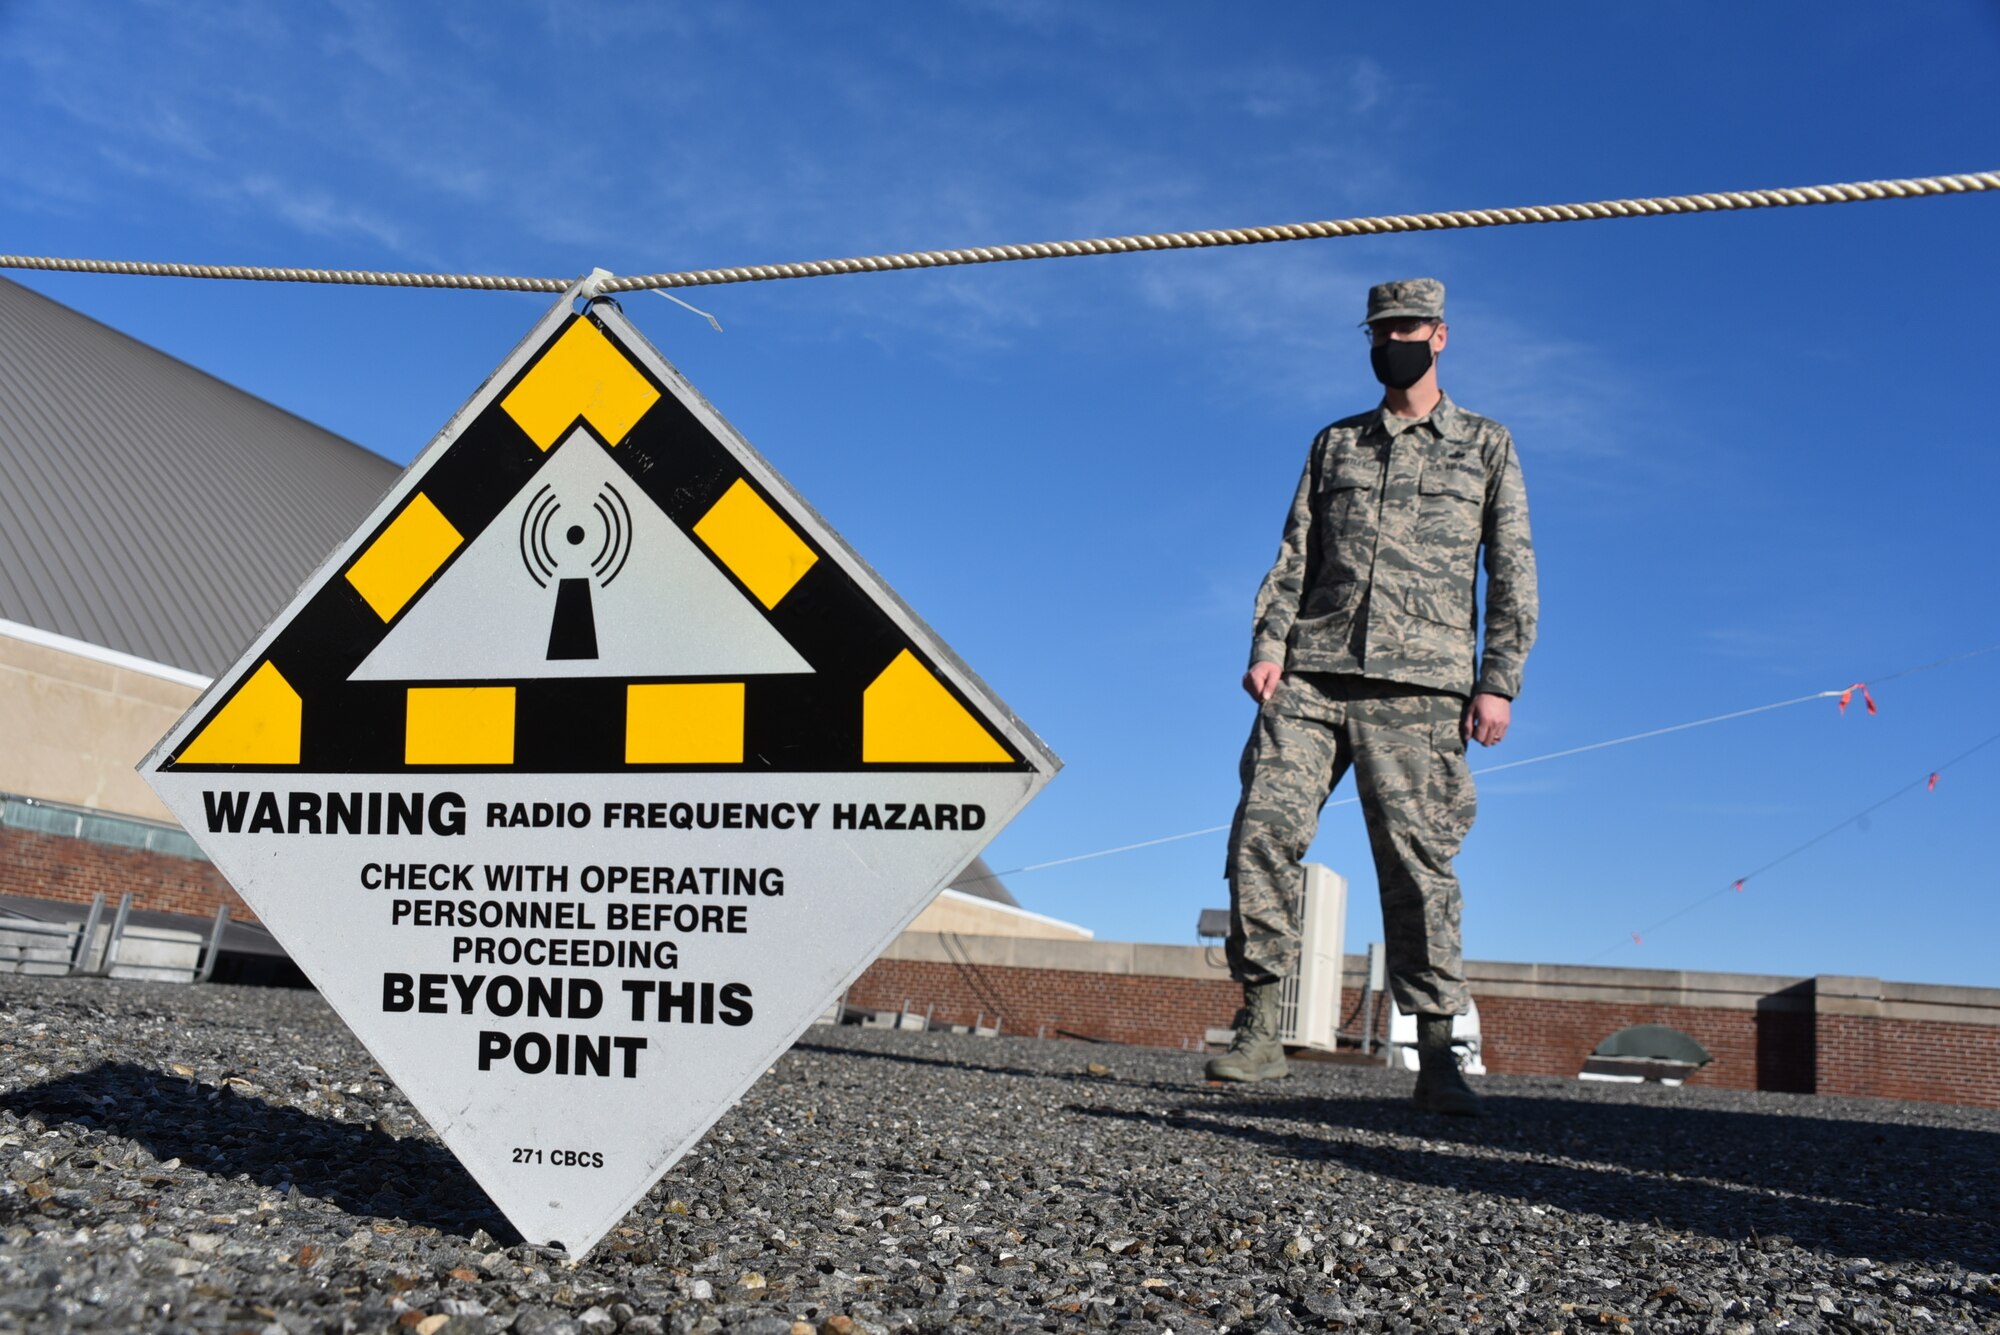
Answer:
(1283, 588)
(1511, 600)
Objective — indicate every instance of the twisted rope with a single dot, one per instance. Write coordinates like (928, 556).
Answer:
(259, 273)
(1654, 207)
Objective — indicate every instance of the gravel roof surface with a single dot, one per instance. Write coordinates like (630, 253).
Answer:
(222, 1159)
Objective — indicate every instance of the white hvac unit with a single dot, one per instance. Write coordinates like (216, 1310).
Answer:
(1309, 1014)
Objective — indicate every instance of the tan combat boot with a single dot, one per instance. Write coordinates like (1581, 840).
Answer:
(1255, 1053)
(1441, 1086)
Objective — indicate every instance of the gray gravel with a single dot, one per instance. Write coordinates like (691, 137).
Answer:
(222, 1159)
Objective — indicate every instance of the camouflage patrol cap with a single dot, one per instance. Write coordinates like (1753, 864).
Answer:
(1422, 298)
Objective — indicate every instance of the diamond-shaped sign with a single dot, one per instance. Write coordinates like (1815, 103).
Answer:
(588, 772)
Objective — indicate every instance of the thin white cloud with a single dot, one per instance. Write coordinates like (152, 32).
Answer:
(308, 210)
(317, 213)
(370, 35)
(1048, 18)
(1540, 787)
(1277, 322)
(618, 27)
(1566, 395)
(1742, 810)
(1368, 85)
(1777, 641)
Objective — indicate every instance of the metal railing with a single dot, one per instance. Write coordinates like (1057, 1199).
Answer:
(982, 1025)
(82, 955)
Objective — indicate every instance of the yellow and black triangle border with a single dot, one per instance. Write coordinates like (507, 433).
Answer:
(884, 693)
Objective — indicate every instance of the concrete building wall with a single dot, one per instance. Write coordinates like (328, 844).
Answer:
(75, 725)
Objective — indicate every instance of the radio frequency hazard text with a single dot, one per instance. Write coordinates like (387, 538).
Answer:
(239, 811)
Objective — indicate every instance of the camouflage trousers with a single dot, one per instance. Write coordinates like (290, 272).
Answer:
(1403, 744)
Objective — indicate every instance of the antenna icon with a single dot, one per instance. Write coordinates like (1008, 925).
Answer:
(573, 624)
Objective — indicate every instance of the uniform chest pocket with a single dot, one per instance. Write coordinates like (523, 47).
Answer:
(1451, 504)
(1350, 497)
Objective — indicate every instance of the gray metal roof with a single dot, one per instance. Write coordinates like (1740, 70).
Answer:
(146, 506)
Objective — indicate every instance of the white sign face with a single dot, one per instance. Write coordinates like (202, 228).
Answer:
(588, 773)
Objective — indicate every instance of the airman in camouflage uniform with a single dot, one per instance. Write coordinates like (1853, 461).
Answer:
(1363, 658)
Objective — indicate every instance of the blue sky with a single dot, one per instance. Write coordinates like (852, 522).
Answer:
(1757, 447)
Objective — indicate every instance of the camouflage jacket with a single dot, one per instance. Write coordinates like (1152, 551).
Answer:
(1376, 576)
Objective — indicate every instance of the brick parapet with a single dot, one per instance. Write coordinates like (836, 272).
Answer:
(1830, 1035)
(70, 870)
(1139, 1009)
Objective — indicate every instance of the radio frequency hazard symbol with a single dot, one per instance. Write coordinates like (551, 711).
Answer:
(590, 771)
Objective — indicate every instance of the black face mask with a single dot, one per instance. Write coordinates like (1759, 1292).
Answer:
(1400, 364)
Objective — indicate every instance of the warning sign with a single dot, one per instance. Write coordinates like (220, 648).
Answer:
(589, 772)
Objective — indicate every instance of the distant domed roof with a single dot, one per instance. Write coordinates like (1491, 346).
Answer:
(978, 879)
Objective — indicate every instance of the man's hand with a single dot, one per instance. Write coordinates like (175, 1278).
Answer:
(1486, 719)
(1261, 681)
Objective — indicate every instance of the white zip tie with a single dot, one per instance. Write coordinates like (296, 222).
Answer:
(591, 285)
(658, 292)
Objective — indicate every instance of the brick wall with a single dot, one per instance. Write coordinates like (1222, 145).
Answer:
(1909, 1059)
(1522, 1035)
(1147, 1011)
(1828, 1035)
(1753, 1049)
(53, 866)
(1900, 1041)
